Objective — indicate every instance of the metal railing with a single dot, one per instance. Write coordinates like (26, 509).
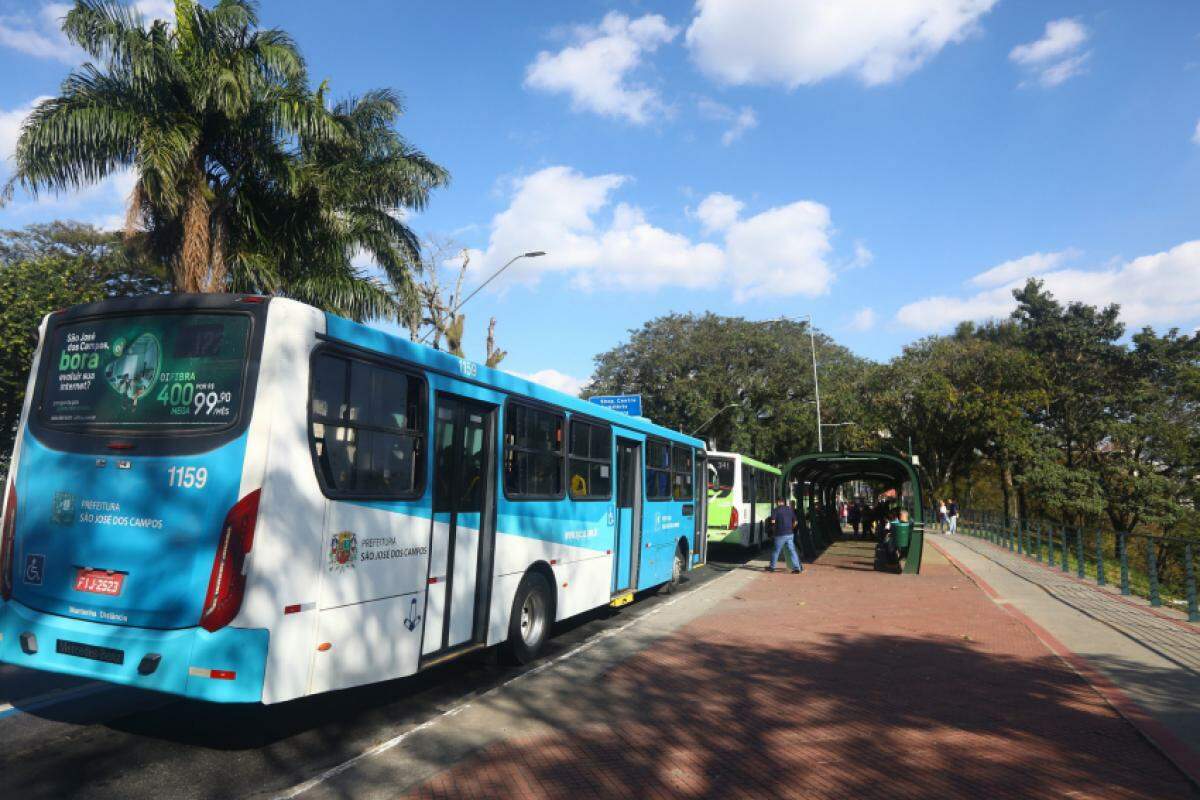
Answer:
(1161, 569)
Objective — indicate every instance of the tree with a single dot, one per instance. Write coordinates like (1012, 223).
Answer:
(245, 179)
(120, 268)
(30, 289)
(436, 311)
(47, 267)
(754, 379)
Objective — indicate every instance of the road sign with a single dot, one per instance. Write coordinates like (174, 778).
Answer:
(630, 404)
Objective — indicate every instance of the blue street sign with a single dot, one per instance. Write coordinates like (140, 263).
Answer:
(630, 404)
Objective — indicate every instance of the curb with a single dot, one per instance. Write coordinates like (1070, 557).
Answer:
(1185, 758)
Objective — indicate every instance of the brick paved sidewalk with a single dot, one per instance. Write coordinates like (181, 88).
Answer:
(841, 682)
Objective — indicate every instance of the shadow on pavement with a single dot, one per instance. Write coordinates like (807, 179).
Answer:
(856, 716)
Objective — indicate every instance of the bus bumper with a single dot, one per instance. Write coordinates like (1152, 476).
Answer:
(222, 667)
(725, 536)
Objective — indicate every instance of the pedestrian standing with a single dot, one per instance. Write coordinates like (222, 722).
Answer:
(952, 515)
(943, 517)
(783, 521)
(855, 517)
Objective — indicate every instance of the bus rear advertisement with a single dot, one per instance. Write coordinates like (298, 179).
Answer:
(244, 499)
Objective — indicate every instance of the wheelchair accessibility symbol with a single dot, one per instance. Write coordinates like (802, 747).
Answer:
(412, 619)
(35, 566)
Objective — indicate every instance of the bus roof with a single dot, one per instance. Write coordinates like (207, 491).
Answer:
(747, 460)
(358, 335)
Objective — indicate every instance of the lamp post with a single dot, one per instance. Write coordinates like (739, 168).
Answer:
(837, 446)
(492, 277)
(708, 421)
(812, 341)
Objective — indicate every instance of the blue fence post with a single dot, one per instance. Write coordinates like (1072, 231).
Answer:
(1124, 547)
(1081, 568)
(1021, 548)
(1099, 557)
(1152, 567)
(1037, 533)
(1193, 611)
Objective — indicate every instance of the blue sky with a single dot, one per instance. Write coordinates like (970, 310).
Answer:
(889, 167)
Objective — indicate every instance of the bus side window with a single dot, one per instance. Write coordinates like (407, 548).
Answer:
(747, 484)
(681, 473)
(533, 453)
(367, 428)
(658, 470)
(590, 460)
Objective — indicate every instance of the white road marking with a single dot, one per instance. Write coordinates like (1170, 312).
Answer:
(383, 747)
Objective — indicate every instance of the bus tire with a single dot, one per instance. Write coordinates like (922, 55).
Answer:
(530, 622)
(678, 567)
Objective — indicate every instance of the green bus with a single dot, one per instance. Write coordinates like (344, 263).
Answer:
(741, 492)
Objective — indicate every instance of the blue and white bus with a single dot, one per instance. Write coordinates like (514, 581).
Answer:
(245, 499)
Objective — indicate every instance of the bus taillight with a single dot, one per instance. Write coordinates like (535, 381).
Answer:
(7, 543)
(733, 518)
(228, 582)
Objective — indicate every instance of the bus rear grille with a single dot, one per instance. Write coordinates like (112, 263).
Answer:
(108, 655)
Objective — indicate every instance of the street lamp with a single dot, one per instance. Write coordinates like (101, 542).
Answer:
(812, 341)
(714, 416)
(837, 446)
(492, 277)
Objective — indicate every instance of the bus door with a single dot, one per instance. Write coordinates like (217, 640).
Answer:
(626, 553)
(700, 491)
(750, 498)
(462, 541)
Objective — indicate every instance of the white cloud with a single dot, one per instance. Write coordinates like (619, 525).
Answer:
(796, 42)
(1018, 269)
(718, 211)
(556, 380)
(595, 70)
(41, 35)
(862, 256)
(781, 251)
(1196, 134)
(746, 120)
(1055, 57)
(864, 320)
(1157, 289)
(10, 131)
(739, 121)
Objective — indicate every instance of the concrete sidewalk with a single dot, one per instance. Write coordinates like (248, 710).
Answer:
(842, 682)
(1146, 662)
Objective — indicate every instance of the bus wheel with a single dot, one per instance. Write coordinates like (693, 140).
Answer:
(677, 568)
(529, 624)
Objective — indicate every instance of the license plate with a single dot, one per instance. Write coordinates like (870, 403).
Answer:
(98, 581)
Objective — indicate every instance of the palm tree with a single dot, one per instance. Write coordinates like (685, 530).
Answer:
(238, 161)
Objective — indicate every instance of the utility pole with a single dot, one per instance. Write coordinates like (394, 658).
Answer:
(812, 340)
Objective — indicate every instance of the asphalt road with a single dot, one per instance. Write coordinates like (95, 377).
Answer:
(64, 738)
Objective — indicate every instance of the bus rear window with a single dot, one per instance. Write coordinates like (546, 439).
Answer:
(146, 372)
(720, 476)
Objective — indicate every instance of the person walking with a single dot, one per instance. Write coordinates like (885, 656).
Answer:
(952, 515)
(943, 517)
(855, 517)
(783, 524)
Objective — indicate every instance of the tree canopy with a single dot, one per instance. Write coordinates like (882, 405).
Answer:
(246, 178)
(754, 379)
